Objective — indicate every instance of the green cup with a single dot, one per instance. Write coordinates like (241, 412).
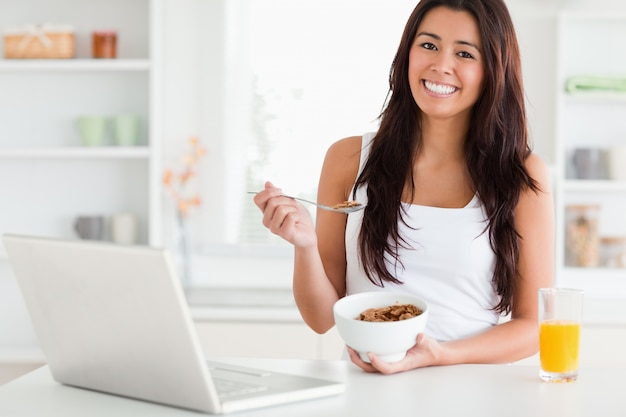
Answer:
(126, 130)
(92, 130)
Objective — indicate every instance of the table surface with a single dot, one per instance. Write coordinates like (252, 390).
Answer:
(467, 390)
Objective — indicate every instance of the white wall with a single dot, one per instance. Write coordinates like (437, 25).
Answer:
(536, 31)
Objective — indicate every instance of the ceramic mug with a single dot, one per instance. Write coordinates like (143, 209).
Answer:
(589, 163)
(617, 163)
(125, 130)
(92, 130)
(124, 228)
(89, 227)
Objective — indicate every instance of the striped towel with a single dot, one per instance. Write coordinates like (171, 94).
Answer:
(592, 83)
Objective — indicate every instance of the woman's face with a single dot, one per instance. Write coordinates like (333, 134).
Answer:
(446, 68)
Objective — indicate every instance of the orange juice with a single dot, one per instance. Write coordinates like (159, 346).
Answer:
(558, 345)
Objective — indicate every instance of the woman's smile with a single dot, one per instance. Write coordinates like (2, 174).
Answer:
(439, 89)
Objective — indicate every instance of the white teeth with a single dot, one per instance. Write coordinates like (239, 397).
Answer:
(438, 88)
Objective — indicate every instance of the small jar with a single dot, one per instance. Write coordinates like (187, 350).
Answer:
(104, 44)
(582, 239)
(613, 251)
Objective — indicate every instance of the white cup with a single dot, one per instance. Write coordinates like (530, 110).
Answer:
(124, 228)
(617, 163)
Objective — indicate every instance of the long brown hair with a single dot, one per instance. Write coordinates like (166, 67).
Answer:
(496, 147)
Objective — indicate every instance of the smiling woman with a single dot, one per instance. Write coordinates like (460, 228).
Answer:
(285, 80)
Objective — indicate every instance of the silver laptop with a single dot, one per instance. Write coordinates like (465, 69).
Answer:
(113, 318)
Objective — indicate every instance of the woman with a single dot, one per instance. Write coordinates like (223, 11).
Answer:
(459, 211)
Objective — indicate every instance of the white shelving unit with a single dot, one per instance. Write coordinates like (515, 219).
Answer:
(590, 43)
(77, 64)
(47, 177)
(69, 152)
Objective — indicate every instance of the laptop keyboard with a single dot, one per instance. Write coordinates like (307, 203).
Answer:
(227, 388)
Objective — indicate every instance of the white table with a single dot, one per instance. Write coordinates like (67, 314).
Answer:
(464, 390)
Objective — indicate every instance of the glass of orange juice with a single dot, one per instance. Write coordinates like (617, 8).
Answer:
(560, 318)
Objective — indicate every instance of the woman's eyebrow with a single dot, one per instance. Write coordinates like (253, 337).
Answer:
(473, 45)
(432, 35)
(437, 37)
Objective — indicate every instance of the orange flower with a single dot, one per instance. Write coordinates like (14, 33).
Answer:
(186, 176)
(177, 183)
(195, 200)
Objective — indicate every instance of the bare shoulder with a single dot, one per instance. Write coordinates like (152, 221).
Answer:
(538, 170)
(341, 164)
(534, 201)
(346, 148)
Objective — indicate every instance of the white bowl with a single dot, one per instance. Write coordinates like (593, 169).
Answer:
(388, 340)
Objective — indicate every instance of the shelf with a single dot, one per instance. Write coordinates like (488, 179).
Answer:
(597, 282)
(594, 185)
(597, 97)
(585, 119)
(101, 152)
(48, 177)
(74, 65)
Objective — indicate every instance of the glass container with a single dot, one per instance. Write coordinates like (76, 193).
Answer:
(582, 239)
(613, 251)
(104, 44)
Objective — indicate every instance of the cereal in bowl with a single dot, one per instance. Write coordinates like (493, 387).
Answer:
(394, 312)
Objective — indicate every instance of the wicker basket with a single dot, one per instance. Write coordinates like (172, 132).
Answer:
(39, 41)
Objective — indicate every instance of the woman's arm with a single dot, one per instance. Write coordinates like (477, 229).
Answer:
(517, 338)
(314, 296)
(319, 251)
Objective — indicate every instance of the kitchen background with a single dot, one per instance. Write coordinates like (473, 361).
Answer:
(247, 90)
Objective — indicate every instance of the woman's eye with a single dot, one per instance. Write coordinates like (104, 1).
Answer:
(465, 55)
(429, 46)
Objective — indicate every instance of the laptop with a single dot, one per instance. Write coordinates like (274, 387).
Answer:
(114, 318)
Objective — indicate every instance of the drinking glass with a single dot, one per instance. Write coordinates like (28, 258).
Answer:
(560, 317)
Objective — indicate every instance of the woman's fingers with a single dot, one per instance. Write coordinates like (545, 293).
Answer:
(277, 215)
(416, 357)
(356, 359)
(262, 197)
(285, 217)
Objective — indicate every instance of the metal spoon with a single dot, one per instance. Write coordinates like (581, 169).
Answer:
(339, 208)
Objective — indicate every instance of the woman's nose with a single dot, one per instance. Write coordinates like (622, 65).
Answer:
(443, 63)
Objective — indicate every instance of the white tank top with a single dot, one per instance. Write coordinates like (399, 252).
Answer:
(450, 264)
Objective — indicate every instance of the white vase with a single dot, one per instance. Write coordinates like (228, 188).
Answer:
(182, 249)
